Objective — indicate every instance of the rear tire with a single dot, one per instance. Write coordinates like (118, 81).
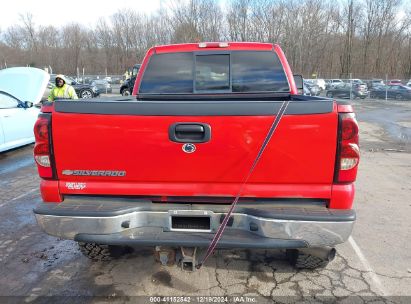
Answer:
(98, 252)
(303, 260)
(86, 94)
(125, 92)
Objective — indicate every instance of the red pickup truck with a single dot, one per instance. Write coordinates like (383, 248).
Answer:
(162, 167)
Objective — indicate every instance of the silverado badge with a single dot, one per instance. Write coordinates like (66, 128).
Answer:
(94, 173)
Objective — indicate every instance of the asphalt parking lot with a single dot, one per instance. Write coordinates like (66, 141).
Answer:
(374, 266)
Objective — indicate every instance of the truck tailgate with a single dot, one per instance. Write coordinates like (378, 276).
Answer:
(124, 148)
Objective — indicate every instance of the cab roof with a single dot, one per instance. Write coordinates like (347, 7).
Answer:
(207, 46)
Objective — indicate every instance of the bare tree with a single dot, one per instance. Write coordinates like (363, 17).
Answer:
(195, 20)
(370, 38)
(48, 40)
(73, 38)
(104, 38)
(238, 18)
(346, 59)
(385, 22)
(29, 31)
(14, 37)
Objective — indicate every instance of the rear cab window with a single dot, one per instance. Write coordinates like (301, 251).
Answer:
(214, 72)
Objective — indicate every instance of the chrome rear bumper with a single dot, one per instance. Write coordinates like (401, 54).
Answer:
(151, 225)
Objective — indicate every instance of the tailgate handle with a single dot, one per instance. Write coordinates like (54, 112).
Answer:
(189, 129)
(189, 132)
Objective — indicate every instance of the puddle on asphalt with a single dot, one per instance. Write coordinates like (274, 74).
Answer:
(9, 167)
(399, 132)
(162, 277)
(392, 121)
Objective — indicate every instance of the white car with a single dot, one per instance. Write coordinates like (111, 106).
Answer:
(319, 82)
(20, 88)
(333, 83)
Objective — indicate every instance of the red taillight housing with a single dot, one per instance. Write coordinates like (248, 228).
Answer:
(43, 148)
(348, 154)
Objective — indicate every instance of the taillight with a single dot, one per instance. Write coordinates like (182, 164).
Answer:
(348, 154)
(42, 148)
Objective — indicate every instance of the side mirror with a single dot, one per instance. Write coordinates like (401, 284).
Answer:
(298, 79)
(28, 104)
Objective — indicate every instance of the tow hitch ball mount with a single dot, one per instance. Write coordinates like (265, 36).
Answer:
(167, 256)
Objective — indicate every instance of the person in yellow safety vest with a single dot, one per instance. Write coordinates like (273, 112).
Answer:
(62, 90)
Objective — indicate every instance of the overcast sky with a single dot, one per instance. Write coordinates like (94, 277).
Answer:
(60, 12)
(86, 12)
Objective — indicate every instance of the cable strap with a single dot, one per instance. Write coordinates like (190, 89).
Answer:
(222, 226)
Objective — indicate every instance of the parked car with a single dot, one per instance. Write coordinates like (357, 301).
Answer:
(378, 91)
(399, 92)
(319, 82)
(375, 83)
(306, 91)
(332, 83)
(128, 85)
(313, 89)
(87, 80)
(20, 88)
(395, 82)
(116, 80)
(82, 90)
(102, 85)
(356, 81)
(378, 86)
(349, 91)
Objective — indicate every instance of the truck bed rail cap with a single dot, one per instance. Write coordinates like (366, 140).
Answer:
(193, 108)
